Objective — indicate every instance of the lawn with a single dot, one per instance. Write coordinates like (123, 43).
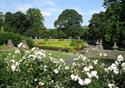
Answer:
(59, 54)
(53, 43)
(56, 44)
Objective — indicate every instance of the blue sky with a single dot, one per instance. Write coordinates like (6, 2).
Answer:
(52, 8)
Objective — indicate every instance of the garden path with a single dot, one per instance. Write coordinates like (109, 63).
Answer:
(94, 51)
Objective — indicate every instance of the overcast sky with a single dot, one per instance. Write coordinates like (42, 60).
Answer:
(52, 8)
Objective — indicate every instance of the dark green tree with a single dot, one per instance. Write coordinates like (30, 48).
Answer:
(115, 14)
(97, 25)
(69, 21)
(20, 22)
(35, 19)
(9, 22)
(1, 20)
(16, 22)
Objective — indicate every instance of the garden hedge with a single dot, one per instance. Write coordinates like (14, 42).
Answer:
(16, 38)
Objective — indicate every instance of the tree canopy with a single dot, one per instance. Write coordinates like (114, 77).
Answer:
(35, 19)
(69, 21)
(110, 25)
(29, 24)
(97, 25)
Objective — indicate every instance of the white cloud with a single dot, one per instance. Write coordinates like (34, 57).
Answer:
(46, 14)
(97, 10)
(49, 2)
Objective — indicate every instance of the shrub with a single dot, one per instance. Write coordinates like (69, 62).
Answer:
(3, 46)
(45, 39)
(36, 69)
(78, 44)
(71, 49)
(61, 39)
(16, 38)
(107, 44)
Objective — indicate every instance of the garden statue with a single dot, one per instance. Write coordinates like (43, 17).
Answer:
(10, 44)
(115, 47)
(100, 44)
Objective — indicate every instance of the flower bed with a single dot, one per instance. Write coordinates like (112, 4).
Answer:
(35, 69)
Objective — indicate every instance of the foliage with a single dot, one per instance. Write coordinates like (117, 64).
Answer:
(16, 38)
(1, 19)
(79, 44)
(36, 69)
(35, 19)
(53, 33)
(4, 46)
(108, 44)
(15, 22)
(116, 22)
(69, 21)
(97, 26)
(109, 25)
(30, 24)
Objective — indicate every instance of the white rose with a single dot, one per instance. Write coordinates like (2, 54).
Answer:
(120, 58)
(80, 81)
(100, 54)
(95, 62)
(87, 81)
(84, 58)
(67, 67)
(123, 65)
(90, 67)
(89, 75)
(74, 77)
(13, 67)
(116, 71)
(86, 69)
(41, 83)
(105, 54)
(116, 62)
(113, 66)
(56, 71)
(112, 85)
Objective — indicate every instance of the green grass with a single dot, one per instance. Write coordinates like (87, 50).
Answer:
(56, 44)
(59, 54)
(53, 43)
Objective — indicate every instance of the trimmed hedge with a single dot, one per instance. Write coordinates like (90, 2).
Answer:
(108, 44)
(78, 44)
(61, 45)
(16, 38)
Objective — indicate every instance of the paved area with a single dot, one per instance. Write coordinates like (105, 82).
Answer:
(94, 51)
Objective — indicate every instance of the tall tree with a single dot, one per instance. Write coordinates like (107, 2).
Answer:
(35, 19)
(16, 22)
(115, 14)
(97, 25)
(107, 3)
(69, 21)
(20, 22)
(9, 22)
(1, 19)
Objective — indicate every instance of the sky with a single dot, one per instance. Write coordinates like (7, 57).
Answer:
(51, 9)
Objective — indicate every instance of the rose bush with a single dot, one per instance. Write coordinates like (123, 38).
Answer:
(36, 69)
